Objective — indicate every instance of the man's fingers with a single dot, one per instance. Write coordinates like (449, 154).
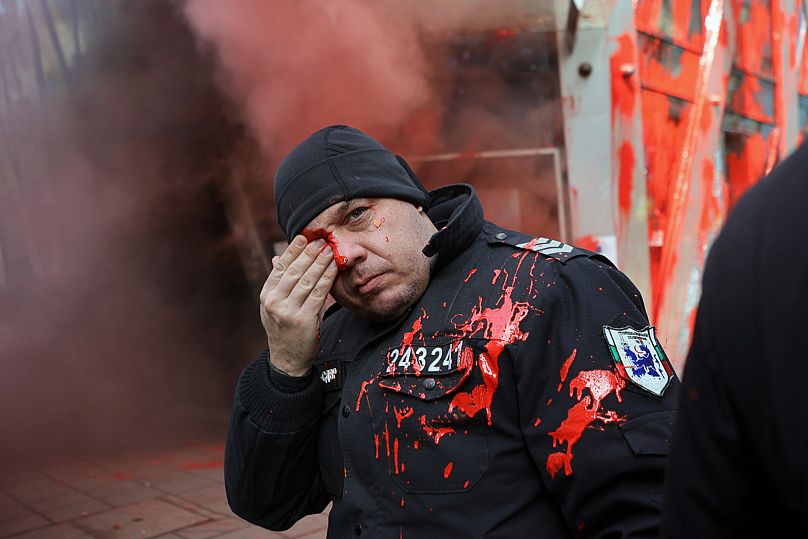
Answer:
(295, 271)
(281, 263)
(317, 296)
(311, 278)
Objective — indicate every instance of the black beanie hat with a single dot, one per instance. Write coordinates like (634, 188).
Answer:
(335, 164)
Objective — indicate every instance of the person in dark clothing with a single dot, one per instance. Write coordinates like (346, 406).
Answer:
(739, 458)
(470, 382)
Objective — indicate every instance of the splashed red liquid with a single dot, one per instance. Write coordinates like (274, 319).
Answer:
(500, 326)
(448, 470)
(320, 233)
(600, 384)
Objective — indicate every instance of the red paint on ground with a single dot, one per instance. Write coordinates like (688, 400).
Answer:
(210, 465)
(320, 233)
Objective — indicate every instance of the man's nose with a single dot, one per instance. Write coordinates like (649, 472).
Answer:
(347, 251)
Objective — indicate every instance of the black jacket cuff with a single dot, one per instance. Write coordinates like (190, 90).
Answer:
(275, 407)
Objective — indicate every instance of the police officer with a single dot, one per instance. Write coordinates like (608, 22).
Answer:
(470, 382)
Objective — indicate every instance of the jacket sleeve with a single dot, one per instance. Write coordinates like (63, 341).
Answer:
(271, 468)
(599, 440)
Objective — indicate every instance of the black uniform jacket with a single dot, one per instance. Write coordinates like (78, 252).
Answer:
(739, 461)
(493, 408)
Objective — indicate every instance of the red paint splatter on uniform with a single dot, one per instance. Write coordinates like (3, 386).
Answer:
(466, 484)
(447, 471)
(537, 422)
(408, 337)
(472, 272)
(395, 454)
(500, 326)
(344, 472)
(376, 443)
(626, 178)
(402, 414)
(320, 233)
(362, 390)
(583, 413)
(402, 505)
(496, 276)
(436, 433)
(387, 439)
(565, 368)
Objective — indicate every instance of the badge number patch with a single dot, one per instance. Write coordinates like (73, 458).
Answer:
(638, 353)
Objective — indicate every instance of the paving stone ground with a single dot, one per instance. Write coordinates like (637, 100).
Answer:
(177, 494)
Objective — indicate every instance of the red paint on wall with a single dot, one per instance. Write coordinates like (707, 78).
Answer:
(623, 87)
(626, 181)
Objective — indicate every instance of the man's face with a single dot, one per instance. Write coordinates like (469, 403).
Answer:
(383, 271)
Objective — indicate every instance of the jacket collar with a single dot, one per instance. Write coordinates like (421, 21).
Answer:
(457, 213)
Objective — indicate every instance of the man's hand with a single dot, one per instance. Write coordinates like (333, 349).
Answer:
(291, 301)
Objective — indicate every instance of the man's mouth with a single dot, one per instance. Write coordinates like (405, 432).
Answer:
(366, 285)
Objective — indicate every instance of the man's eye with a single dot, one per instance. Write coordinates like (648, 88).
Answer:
(356, 214)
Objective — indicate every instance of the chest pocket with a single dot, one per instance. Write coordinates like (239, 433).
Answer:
(433, 444)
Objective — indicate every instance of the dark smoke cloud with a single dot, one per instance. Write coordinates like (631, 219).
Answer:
(133, 327)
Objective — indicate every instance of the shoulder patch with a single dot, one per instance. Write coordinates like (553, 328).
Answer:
(639, 357)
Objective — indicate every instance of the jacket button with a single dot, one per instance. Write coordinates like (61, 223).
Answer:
(429, 383)
(346, 411)
(501, 236)
(357, 528)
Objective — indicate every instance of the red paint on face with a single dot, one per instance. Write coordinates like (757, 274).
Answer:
(472, 272)
(402, 414)
(447, 471)
(320, 233)
(583, 413)
(436, 433)
(500, 326)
